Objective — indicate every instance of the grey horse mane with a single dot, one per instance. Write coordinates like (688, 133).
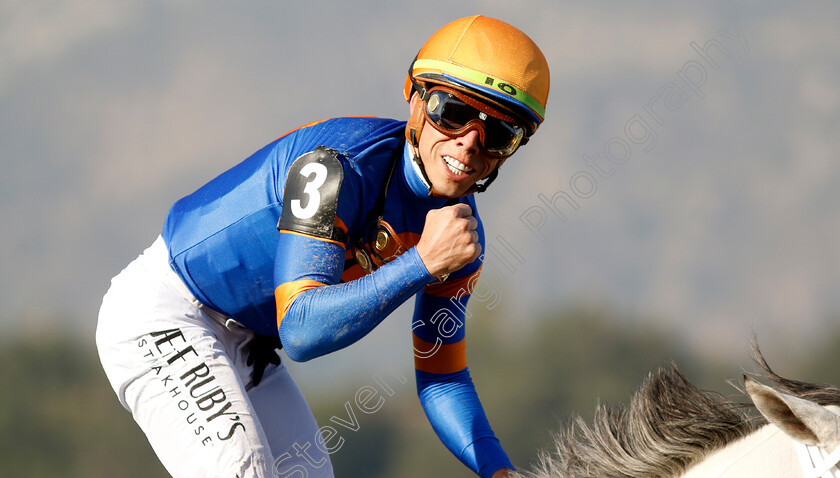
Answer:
(668, 426)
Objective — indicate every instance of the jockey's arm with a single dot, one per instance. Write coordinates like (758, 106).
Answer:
(317, 314)
(444, 385)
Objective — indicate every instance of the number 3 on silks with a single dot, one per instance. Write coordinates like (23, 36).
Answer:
(310, 197)
(311, 190)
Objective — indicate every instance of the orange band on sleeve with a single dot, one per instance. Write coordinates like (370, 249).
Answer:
(286, 293)
(449, 358)
(450, 288)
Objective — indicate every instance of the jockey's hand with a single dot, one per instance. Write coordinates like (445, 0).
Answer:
(449, 240)
(505, 473)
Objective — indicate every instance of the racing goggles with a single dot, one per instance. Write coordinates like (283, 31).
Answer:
(454, 113)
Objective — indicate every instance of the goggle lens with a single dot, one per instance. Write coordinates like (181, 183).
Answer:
(453, 114)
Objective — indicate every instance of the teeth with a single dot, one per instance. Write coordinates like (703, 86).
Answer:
(456, 166)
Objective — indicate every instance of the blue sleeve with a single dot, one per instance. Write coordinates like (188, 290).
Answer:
(452, 406)
(448, 395)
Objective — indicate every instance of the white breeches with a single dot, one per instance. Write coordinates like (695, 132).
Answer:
(180, 370)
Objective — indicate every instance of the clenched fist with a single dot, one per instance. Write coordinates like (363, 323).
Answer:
(449, 240)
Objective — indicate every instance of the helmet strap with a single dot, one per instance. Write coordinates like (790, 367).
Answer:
(415, 123)
(418, 165)
(480, 188)
(413, 128)
(416, 85)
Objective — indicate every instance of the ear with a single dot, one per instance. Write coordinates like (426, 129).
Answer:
(414, 126)
(415, 98)
(805, 421)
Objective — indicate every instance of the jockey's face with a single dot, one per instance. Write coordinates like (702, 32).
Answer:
(453, 165)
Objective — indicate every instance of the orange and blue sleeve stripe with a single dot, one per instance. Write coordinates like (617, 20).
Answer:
(438, 328)
(294, 276)
(286, 293)
(455, 287)
(444, 384)
(439, 358)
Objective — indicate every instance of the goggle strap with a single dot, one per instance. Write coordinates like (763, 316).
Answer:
(424, 93)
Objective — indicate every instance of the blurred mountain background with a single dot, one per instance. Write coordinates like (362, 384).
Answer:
(680, 197)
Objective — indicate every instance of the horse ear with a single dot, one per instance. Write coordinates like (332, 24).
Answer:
(805, 421)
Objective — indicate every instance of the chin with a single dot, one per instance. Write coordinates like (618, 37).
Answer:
(446, 187)
(451, 193)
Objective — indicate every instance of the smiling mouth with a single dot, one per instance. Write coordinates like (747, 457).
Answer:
(456, 167)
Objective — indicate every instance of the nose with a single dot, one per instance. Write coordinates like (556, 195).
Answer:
(469, 140)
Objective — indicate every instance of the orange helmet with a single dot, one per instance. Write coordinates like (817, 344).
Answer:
(488, 58)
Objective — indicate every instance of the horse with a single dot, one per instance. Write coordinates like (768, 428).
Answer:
(672, 429)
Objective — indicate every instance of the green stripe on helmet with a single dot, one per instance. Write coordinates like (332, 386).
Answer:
(484, 80)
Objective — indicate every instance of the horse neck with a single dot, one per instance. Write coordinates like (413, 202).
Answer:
(768, 453)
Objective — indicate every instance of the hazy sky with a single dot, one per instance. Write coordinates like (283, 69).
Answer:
(687, 171)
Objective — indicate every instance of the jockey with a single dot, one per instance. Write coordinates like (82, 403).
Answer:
(308, 244)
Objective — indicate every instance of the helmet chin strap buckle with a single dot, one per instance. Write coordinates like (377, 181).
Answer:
(480, 188)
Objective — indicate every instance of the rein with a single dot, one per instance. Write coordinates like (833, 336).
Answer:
(817, 463)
